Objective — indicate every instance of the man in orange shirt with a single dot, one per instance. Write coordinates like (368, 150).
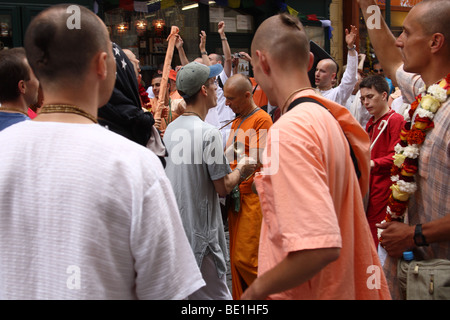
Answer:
(315, 239)
(247, 137)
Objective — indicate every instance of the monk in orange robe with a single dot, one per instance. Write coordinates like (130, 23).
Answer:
(247, 137)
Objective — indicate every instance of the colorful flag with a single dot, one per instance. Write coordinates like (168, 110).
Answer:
(234, 3)
(292, 11)
(167, 3)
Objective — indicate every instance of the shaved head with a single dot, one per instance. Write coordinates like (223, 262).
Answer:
(58, 53)
(434, 17)
(240, 83)
(288, 43)
(329, 64)
(238, 94)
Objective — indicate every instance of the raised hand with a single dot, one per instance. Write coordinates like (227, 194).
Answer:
(351, 36)
(221, 27)
(202, 44)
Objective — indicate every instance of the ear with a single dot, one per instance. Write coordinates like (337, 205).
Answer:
(437, 42)
(101, 65)
(265, 66)
(311, 61)
(385, 96)
(204, 91)
(21, 86)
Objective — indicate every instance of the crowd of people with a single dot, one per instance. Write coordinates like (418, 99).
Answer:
(113, 190)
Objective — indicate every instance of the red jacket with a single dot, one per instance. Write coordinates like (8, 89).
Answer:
(382, 155)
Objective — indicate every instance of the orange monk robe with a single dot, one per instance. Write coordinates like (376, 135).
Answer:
(244, 226)
(259, 97)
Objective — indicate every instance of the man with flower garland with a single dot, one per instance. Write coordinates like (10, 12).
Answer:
(419, 63)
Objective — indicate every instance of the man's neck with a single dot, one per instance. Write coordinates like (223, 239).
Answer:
(87, 103)
(438, 69)
(251, 107)
(288, 93)
(196, 109)
(14, 106)
(381, 113)
(326, 88)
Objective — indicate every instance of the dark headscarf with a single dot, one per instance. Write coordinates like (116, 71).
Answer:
(123, 113)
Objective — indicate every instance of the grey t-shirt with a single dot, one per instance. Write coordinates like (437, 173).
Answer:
(196, 158)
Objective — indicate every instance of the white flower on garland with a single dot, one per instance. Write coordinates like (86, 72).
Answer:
(411, 151)
(438, 92)
(409, 187)
(398, 148)
(425, 113)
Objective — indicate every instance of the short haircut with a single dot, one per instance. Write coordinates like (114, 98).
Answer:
(377, 82)
(13, 68)
(57, 53)
(156, 75)
(435, 18)
(220, 58)
(285, 38)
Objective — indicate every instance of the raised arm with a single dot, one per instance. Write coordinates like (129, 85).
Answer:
(179, 44)
(202, 47)
(383, 41)
(227, 65)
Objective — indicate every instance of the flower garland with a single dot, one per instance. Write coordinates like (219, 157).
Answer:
(144, 97)
(412, 136)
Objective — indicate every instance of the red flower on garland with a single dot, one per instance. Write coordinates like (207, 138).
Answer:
(410, 166)
(423, 123)
(415, 136)
(414, 106)
(396, 206)
(395, 170)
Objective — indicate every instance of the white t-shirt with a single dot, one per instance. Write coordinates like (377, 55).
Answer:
(88, 214)
(342, 92)
(221, 114)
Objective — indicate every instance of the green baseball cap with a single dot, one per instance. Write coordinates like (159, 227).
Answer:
(191, 77)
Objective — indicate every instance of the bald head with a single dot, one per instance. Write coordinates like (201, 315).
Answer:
(325, 74)
(288, 43)
(240, 83)
(238, 94)
(59, 53)
(434, 17)
(329, 64)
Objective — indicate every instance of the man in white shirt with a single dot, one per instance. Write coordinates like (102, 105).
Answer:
(221, 115)
(84, 212)
(327, 68)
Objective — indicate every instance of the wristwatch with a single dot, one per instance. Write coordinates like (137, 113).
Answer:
(419, 238)
(352, 48)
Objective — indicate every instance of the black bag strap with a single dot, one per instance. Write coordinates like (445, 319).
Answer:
(309, 99)
(219, 80)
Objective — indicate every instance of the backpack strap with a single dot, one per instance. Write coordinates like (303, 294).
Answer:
(352, 153)
(219, 80)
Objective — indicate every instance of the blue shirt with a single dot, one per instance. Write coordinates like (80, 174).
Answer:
(8, 118)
